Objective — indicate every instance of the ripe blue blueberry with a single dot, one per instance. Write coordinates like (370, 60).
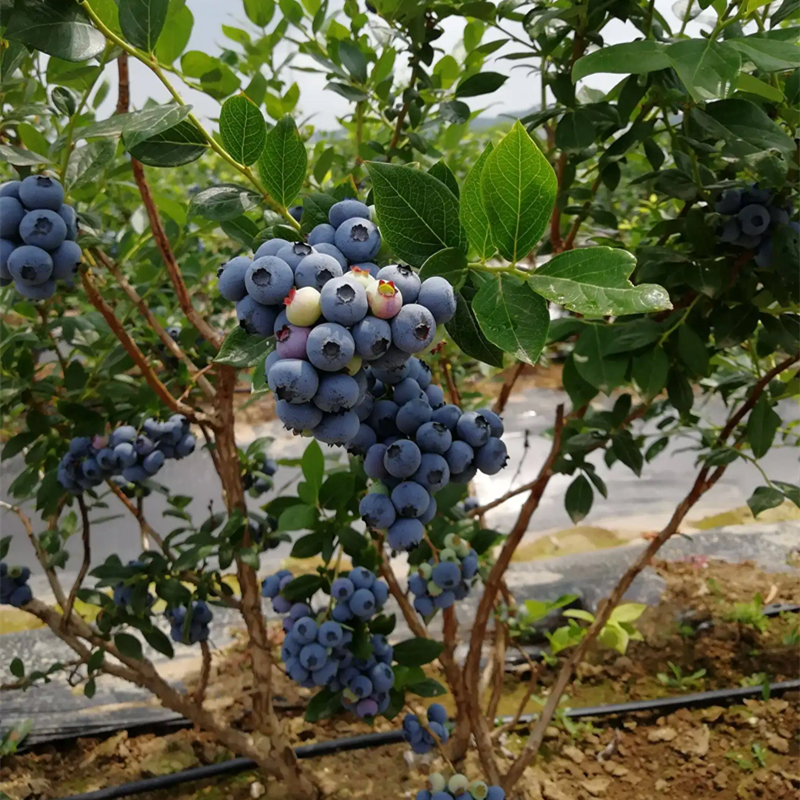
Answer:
(330, 347)
(323, 676)
(437, 295)
(433, 472)
(754, 219)
(231, 278)
(405, 534)
(469, 566)
(30, 266)
(43, 228)
(764, 255)
(434, 437)
(446, 575)
(270, 586)
(337, 428)
(372, 337)
(135, 474)
(459, 456)
(423, 605)
(330, 634)
(729, 202)
(268, 280)
(377, 389)
(495, 793)
(313, 656)
(430, 512)
(298, 417)
(474, 429)
(334, 252)
(342, 589)
(39, 191)
(254, 317)
(413, 415)
(12, 213)
(406, 391)
(10, 189)
(410, 499)
(448, 415)
(42, 291)
(294, 253)
(491, 457)
(290, 342)
(67, 213)
(106, 459)
(362, 578)
(435, 396)
(6, 249)
(445, 599)
(363, 604)
(402, 459)
(322, 233)
(437, 713)
(305, 630)
(271, 247)
(341, 612)
(383, 418)
(404, 278)
(413, 328)
(336, 393)
(343, 301)
(496, 426)
(293, 380)
(153, 462)
(125, 455)
(382, 677)
(756, 195)
(358, 239)
(377, 511)
(373, 462)
(381, 592)
(396, 368)
(420, 372)
(464, 477)
(364, 407)
(316, 270)
(730, 230)
(345, 209)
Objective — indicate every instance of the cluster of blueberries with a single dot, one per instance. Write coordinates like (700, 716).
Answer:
(316, 650)
(126, 456)
(419, 737)
(458, 786)
(422, 445)
(258, 484)
(438, 584)
(14, 589)
(194, 629)
(37, 237)
(752, 218)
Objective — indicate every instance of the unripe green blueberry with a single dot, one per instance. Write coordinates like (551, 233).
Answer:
(353, 365)
(448, 554)
(425, 570)
(452, 540)
(458, 784)
(434, 590)
(479, 790)
(436, 782)
(302, 306)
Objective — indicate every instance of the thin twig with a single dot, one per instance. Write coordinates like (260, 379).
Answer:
(205, 674)
(124, 90)
(87, 559)
(507, 387)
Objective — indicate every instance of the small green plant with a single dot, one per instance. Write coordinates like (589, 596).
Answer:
(678, 680)
(744, 764)
(792, 637)
(686, 631)
(522, 619)
(11, 740)
(619, 631)
(759, 753)
(750, 615)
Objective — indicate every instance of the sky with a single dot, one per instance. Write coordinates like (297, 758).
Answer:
(518, 95)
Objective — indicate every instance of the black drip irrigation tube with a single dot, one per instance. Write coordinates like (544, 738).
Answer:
(369, 740)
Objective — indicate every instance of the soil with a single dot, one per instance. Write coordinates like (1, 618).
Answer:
(750, 750)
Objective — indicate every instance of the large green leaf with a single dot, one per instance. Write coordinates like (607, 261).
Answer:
(629, 58)
(55, 27)
(707, 68)
(418, 214)
(215, 77)
(473, 214)
(87, 163)
(764, 498)
(442, 172)
(594, 282)
(259, 12)
(467, 334)
(602, 371)
(519, 188)
(416, 652)
(177, 32)
(142, 21)
(241, 349)
(282, 165)
(762, 425)
(578, 499)
(767, 54)
(180, 144)
(450, 264)
(481, 83)
(222, 202)
(242, 128)
(744, 126)
(512, 316)
(136, 126)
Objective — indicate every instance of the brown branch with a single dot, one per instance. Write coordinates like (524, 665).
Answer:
(411, 617)
(166, 339)
(87, 559)
(124, 93)
(452, 389)
(205, 674)
(555, 220)
(96, 299)
(162, 242)
(569, 242)
(536, 673)
(508, 387)
(499, 664)
(703, 483)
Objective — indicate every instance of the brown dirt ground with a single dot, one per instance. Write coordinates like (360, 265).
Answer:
(745, 751)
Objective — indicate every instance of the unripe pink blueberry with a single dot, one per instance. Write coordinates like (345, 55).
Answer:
(290, 341)
(302, 306)
(385, 300)
(363, 277)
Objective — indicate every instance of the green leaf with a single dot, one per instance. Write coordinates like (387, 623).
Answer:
(315, 210)
(482, 83)
(142, 21)
(89, 688)
(764, 498)
(512, 316)
(354, 60)
(259, 12)
(418, 213)
(579, 390)
(313, 465)
(473, 213)
(158, 640)
(593, 281)
(137, 126)
(762, 426)
(692, 350)
(791, 491)
(129, 646)
(20, 157)
(417, 651)
(627, 451)
(578, 499)
(768, 55)
(745, 127)
(302, 587)
(88, 163)
(17, 668)
(225, 201)
(575, 131)
(16, 444)
(337, 490)
(324, 703)
(215, 77)
(707, 68)
(602, 371)
(176, 33)
(282, 165)
(467, 334)
(64, 100)
(443, 173)
(242, 229)
(243, 130)
(55, 27)
(650, 372)
(427, 688)
(173, 147)
(630, 58)
(450, 264)
(519, 188)
(241, 349)
(297, 518)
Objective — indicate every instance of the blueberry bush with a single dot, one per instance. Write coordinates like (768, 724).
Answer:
(644, 235)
